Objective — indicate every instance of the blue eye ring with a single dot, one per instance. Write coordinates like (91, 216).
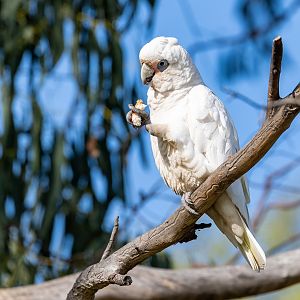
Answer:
(162, 65)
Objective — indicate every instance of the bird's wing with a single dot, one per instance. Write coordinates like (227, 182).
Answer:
(214, 136)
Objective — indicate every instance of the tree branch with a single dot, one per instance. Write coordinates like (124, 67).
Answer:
(272, 104)
(112, 239)
(200, 283)
(275, 69)
(243, 37)
(225, 282)
(244, 98)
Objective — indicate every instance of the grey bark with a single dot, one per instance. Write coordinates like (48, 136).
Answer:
(222, 282)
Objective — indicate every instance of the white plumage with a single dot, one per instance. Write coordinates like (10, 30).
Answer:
(191, 135)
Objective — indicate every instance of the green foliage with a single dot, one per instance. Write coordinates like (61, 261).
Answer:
(45, 178)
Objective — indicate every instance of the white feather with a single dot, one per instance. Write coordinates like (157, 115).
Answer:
(201, 136)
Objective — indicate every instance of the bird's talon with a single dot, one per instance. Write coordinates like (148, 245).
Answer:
(140, 112)
(129, 117)
(188, 204)
(145, 119)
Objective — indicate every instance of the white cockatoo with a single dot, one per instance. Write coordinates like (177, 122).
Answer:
(191, 135)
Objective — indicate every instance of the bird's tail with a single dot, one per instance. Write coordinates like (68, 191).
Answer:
(229, 220)
(251, 250)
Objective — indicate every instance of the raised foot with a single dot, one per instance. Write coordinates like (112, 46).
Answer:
(188, 204)
(145, 119)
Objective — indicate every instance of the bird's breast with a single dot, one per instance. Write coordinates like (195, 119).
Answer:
(182, 168)
(179, 162)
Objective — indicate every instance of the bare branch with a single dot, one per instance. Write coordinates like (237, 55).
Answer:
(284, 205)
(243, 37)
(268, 186)
(200, 283)
(224, 282)
(244, 98)
(275, 69)
(284, 244)
(292, 99)
(112, 239)
(282, 187)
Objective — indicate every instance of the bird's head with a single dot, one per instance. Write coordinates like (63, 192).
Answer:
(167, 66)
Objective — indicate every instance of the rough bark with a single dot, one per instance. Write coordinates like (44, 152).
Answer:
(222, 282)
(226, 282)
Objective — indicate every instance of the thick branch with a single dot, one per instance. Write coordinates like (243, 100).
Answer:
(224, 282)
(176, 227)
(201, 283)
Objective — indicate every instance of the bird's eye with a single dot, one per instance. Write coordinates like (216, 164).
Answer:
(162, 65)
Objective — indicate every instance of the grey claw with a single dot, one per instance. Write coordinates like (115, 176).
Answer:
(128, 117)
(188, 204)
(140, 112)
(144, 115)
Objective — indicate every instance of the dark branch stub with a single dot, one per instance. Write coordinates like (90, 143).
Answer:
(202, 226)
(191, 234)
(122, 280)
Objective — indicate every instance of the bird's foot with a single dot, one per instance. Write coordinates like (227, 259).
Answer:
(188, 204)
(145, 118)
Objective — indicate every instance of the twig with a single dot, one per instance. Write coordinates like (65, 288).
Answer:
(100, 275)
(292, 99)
(232, 260)
(283, 244)
(244, 98)
(188, 13)
(283, 187)
(268, 185)
(112, 240)
(284, 205)
(272, 104)
(275, 69)
(230, 41)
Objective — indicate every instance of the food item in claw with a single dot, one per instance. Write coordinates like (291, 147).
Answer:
(135, 118)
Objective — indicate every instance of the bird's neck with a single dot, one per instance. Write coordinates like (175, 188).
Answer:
(158, 101)
(162, 94)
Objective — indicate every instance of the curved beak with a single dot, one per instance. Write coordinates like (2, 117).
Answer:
(147, 73)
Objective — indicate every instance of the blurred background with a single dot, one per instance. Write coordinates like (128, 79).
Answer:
(69, 161)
